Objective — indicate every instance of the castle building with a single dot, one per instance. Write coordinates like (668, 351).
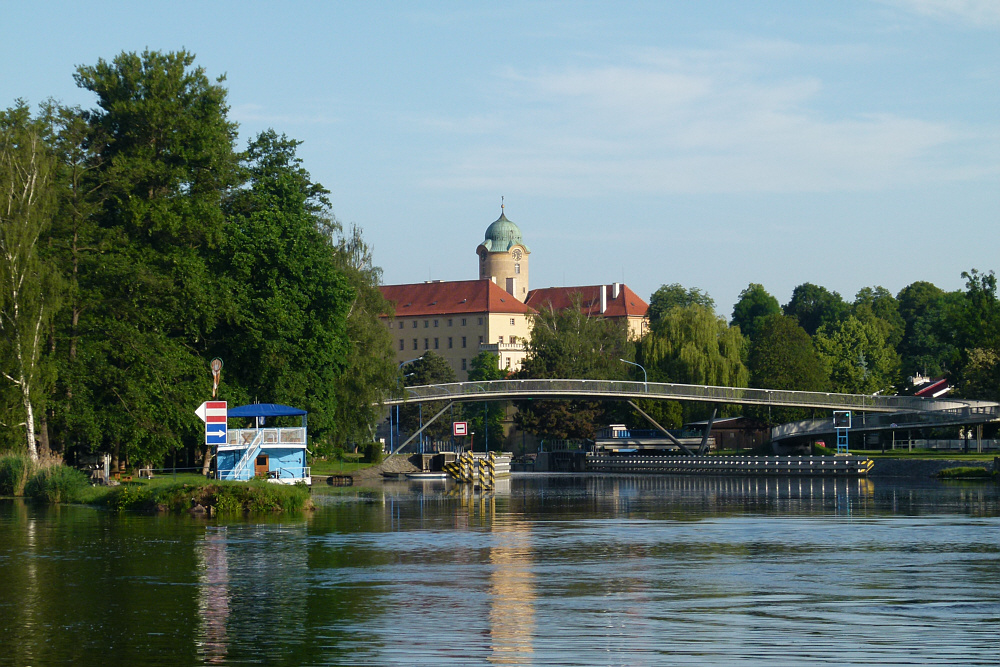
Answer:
(459, 319)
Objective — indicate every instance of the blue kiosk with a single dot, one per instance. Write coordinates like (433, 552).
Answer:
(277, 454)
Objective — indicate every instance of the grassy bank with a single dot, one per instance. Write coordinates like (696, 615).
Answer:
(181, 493)
(966, 472)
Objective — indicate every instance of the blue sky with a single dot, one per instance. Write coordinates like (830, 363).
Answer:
(712, 144)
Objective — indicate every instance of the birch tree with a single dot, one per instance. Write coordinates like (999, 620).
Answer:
(26, 285)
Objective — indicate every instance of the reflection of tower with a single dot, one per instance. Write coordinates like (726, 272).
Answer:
(512, 593)
(503, 257)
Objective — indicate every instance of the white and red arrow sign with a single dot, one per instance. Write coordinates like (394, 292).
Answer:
(212, 412)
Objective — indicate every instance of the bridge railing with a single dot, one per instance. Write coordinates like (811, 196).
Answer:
(512, 389)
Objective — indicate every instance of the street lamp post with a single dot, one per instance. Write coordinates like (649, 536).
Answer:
(645, 381)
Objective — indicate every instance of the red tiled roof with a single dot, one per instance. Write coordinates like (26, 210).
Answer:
(458, 296)
(628, 304)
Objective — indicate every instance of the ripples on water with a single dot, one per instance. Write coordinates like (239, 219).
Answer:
(546, 571)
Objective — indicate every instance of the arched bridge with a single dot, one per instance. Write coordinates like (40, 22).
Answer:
(917, 409)
(502, 390)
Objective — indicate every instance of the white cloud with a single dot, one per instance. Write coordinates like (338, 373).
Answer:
(980, 13)
(696, 123)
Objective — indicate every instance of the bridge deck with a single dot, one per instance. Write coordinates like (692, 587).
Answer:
(621, 390)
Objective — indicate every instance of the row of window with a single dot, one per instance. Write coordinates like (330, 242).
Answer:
(427, 323)
(437, 342)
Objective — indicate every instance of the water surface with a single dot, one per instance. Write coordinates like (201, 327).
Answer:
(553, 570)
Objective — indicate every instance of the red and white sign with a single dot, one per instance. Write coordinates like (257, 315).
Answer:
(212, 412)
(459, 428)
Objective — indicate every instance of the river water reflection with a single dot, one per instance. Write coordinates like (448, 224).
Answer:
(551, 570)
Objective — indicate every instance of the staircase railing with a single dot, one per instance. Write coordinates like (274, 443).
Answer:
(248, 455)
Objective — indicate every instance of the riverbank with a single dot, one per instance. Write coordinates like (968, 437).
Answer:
(918, 468)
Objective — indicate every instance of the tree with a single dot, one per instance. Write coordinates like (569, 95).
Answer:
(676, 295)
(692, 345)
(814, 307)
(877, 304)
(286, 338)
(370, 370)
(28, 292)
(164, 161)
(782, 356)
(928, 342)
(570, 344)
(431, 368)
(486, 419)
(977, 370)
(754, 303)
(860, 358)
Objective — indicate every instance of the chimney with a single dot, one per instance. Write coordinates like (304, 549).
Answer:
(616, 289)
(604, 299)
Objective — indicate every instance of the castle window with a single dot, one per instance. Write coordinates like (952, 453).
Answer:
(401, 345)
(480, 321)
(480, 340)
(463, 341)
(500, 340)
(517, 268)
(463, 364)
(435, 343)
(414, 343)
(449, 322)
(427, 344)
(427, 324)
(414, 324)
(435, 322)
(513, 340)
(512, 321)
(463, 321)
(508, 363)
(449, 342)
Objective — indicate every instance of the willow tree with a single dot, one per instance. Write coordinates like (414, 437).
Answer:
(27, 291)
(692, 345)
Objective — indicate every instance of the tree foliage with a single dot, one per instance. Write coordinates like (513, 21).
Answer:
(570, 344)
(782, 356)
(676, 295)
(814, 307)
(928, 345)
(860, 358)
(431, 368)
(486, 419)
(754, 303)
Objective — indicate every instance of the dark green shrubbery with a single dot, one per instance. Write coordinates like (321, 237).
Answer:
(57, 484)
(224, 497)
(372, 452)
(15, 469)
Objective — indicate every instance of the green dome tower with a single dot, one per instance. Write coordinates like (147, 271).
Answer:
(503, 257)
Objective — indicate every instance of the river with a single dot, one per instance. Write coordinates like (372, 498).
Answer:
(548, 570)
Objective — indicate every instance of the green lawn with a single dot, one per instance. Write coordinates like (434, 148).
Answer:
(322, 467)
(924, 454)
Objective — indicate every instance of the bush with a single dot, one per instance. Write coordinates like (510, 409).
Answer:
(15, 469)
(57, 484)
(964, 472)
(372, 452)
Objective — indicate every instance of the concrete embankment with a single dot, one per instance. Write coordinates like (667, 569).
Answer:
(919, 468)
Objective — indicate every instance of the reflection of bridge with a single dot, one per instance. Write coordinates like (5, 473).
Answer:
(909, 409)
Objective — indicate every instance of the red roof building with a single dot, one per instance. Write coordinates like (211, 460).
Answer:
(615, 301)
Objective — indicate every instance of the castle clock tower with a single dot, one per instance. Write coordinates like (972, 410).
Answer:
(503, 257)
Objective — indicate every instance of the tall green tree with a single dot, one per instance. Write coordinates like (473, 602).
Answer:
(431, 368)
(486, 419)
(570, 344)
(676, 295)
(860, 358)
(878, 305)
(28, 285)
(285, 339)
(164, 163)
(928, 345)
(978, 368)
(782, 356)
(754, 303)
(369, 373)
(814, 307)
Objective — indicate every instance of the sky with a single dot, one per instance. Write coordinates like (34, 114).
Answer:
(713, 144)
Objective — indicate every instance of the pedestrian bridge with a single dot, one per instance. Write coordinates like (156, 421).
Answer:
(503, 390)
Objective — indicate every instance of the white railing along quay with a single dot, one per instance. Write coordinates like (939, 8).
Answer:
(621, 390)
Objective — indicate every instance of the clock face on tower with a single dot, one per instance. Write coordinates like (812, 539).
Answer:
(516, 254)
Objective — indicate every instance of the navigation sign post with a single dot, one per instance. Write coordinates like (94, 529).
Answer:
(459, 429)
(842, 422)
(214, 414)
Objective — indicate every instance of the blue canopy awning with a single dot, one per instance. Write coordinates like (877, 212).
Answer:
(266, 410)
